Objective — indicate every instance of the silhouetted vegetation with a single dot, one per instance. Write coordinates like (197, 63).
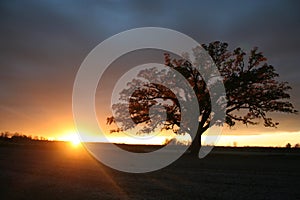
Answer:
(252, 91)
(8, 137)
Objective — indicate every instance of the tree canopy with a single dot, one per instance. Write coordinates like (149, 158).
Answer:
(252, 91)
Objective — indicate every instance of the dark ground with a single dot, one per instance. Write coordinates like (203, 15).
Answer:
(59, 171)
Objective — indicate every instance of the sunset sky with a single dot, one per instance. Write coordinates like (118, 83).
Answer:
(43, 44)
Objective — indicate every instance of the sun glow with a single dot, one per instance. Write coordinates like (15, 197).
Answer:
(71, 137)
(75, 141)
(279, 139)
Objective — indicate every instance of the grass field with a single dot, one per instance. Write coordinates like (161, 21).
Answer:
(57, 170)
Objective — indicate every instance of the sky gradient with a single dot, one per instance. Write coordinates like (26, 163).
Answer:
(44, 42)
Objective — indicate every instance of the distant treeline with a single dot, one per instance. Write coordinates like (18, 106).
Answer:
(288, 145)
(19, 138)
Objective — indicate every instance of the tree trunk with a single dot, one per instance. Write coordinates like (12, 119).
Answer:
(196, 143)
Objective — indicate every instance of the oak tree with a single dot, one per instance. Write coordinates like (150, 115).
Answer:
(252, 92)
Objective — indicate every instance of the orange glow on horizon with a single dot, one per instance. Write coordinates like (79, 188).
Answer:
(279, 139)
(71, 137)
(263, 140)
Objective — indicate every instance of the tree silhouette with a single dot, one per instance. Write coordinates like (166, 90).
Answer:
(251, 87)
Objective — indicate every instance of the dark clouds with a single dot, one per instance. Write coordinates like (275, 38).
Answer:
(44, 42)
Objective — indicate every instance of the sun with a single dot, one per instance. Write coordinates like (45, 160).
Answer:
(71, 137)
(75, 141)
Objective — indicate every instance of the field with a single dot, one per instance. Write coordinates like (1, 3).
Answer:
(56, 170)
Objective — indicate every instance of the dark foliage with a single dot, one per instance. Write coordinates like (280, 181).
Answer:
(252, 91)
